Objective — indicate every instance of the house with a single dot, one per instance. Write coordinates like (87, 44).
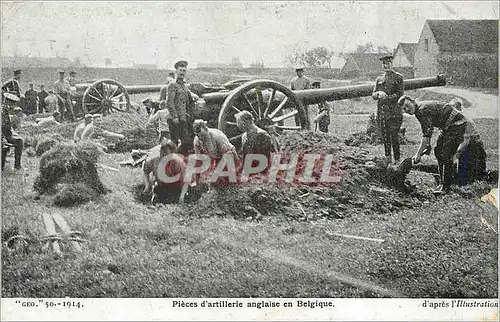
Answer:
(453, 37)
(404, 58)
(365, 64)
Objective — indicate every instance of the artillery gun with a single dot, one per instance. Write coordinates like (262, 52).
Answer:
(271, 103)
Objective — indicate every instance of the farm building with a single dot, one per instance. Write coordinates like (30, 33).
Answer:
(443, 41)
(365, 64)
(404, 59)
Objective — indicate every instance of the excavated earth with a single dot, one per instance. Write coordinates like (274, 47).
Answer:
(367, 186)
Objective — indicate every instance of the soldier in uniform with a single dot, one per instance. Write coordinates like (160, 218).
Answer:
(298, 83)
(458, 140)
(42, 95)
(180, 105)
(9, 136)
(63, 90)
(12, 87)
(322, 120)
(388, 89)
(31, 101)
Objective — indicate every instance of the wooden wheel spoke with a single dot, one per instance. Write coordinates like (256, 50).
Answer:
(285, 116)
(268, 105)
(250, 104)
(288, 127)
(114, 92)
(97, 92)
(278, 108)
(235, 108)
(260, 101)
(117, 96)
(97, 99)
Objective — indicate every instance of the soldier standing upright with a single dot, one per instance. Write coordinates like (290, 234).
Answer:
(180, 107)
(298, 83)
(388, 89)
(62, 90)
(42, 95)
(31, 101)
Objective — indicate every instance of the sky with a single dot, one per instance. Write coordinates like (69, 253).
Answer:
(156, 32)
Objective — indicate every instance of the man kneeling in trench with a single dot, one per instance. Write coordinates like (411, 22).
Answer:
(164, 192)
(458, 140)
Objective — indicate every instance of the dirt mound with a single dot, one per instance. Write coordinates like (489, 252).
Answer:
(68, 172)
(368, 185)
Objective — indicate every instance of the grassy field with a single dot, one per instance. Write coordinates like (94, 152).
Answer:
(440, 247)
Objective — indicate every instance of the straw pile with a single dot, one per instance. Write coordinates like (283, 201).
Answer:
(69, 172)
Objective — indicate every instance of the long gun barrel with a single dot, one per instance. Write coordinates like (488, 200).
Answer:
(313, 96)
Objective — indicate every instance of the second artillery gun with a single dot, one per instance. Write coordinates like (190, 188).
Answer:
(271, 103)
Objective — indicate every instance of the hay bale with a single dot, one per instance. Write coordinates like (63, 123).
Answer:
(70, 164)
(74, 194)
(45, 145)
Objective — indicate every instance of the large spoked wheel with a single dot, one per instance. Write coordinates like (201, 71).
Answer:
(273, 106)
(105, 96)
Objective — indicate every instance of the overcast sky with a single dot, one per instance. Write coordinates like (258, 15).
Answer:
(201, 32)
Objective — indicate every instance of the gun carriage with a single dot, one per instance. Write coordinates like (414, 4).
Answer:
(270, 102)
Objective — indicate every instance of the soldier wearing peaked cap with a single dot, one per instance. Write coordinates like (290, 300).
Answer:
(299, 83)
(12, 85)
(388, 89)
(458, 140)
(180, 106)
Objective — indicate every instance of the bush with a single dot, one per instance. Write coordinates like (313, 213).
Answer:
(470, 69)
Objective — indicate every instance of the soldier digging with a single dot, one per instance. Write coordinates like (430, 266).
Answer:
(458, 140)
(388, 89)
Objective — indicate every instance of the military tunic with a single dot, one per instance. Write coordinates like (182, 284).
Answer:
(455, 128)
(389, 114)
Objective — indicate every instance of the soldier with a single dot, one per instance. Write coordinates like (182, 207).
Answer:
(62, 89)
(77, 135)
(458, 140)
(160, 119)
(162, 191)
(9, 136)
(299, 83)
(42, 95)
(164, 90)
(180, 106)
(322, 120)
(31, 96)
(51, 102)
(254, 139)
(12, 85)
(387, 90)
(72, 79)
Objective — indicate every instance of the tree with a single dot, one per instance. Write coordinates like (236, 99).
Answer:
(315, 57)
(370, 48)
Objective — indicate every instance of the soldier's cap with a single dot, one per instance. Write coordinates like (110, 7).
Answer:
(147, 99)
(88, 116)
(316, 83)
(30, 83)
(17, 108)
(386, 58)
(180, 63)
(60, 71)
(11, 97)
(72, 72)
(17, 71)
(299, 67)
